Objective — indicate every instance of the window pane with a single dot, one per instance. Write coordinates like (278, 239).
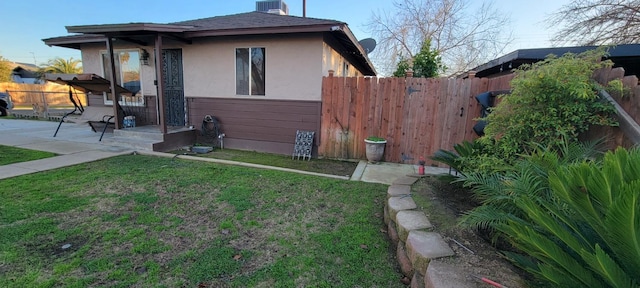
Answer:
(130, 76)
(127, 66)
(242, 71)
(257, 71)
(130, 67)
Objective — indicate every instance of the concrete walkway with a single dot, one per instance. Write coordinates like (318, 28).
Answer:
(76, 143)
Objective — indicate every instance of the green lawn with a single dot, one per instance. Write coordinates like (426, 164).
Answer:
(157, 222)
(11, 155)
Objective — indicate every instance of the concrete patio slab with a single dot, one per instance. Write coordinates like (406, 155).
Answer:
(386, 173)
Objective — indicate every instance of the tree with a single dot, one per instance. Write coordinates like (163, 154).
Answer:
(5, 70)
(59, 65)
(597, 22)
(427, 63)
(464, 38)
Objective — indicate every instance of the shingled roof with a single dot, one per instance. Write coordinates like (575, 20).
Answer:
(250, 23)
(253, 20)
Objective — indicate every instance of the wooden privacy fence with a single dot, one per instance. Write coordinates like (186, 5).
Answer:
(629, 101)
(417, 116)
(46, 95)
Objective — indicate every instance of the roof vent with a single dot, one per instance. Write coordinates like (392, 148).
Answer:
(273, 7)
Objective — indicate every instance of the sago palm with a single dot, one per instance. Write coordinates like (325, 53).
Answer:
(587, 233)
(498, 191)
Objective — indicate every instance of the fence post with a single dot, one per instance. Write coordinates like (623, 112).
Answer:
(331, 73)
(471, 74)
(409, 73)
(45, 107)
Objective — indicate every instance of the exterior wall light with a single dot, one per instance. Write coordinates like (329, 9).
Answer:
(144, 57)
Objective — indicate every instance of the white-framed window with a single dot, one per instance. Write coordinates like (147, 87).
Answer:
(345, 69)
(128, 75)
(250, 71)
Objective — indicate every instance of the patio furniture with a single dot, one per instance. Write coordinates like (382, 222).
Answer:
(89, 83)
(96, 116)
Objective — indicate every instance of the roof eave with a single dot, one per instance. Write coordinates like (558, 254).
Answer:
(130, 27)
(73, 42)
(258, 31)
(362, 54)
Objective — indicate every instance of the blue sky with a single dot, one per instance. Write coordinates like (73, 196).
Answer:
(24, 23)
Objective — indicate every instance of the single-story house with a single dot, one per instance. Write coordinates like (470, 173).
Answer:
(623, 55)
(22, 75)
(259, 74)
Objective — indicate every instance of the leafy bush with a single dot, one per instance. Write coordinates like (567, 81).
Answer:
(550, 99)
(469, 156)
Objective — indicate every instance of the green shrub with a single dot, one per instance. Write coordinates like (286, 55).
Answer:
(469, 156)
(550, 99)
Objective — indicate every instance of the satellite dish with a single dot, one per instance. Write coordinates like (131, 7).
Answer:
(368, 44)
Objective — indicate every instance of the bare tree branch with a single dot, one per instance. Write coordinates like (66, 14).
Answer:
(464, 37)
(597, 22)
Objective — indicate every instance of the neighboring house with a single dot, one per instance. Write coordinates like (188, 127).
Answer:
(624, 55)
(260, 74)
(21, 75)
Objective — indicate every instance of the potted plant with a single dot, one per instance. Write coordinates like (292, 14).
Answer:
(375, 148)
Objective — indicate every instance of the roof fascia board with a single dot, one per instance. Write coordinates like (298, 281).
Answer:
(73, 40)
(265, 30)
(111, 28)
(345, 29)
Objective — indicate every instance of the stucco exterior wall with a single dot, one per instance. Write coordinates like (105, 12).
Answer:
(295, 65)
(292, 64)
(332, 60)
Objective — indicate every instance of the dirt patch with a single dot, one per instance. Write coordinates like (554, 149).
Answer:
(443, 204)
(49, 247)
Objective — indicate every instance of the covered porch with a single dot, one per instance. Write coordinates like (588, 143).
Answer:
(159, 109)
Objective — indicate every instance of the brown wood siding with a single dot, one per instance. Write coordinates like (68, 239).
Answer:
(256, 124)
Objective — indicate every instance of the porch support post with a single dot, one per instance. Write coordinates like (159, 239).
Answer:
(160, 84)
(114, 94)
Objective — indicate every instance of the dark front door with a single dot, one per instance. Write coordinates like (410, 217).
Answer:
(174, 106)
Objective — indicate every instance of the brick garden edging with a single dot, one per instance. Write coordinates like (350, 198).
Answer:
(418, 248)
